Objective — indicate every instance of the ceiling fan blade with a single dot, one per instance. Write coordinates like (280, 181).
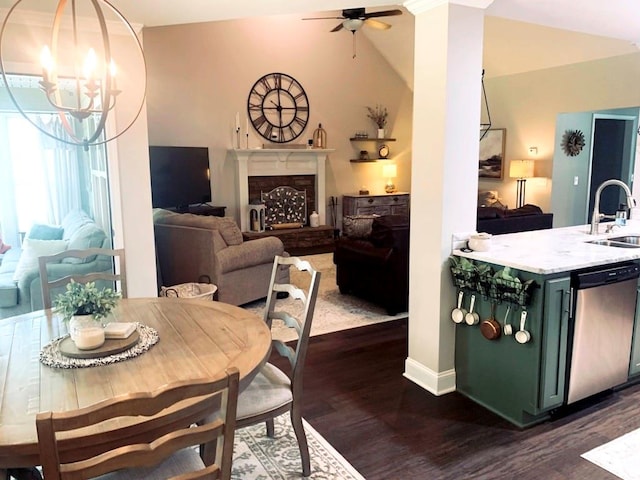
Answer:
(337, 28)
(324, 18)
(370, 22)
(384, 13)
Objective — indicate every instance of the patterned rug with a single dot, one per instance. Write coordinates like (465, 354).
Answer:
(334, 311)
(258, 457)
(619, 456)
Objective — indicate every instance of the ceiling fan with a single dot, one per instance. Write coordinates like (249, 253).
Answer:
(354, 18)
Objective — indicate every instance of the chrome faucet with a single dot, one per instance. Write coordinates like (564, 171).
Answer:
(597, 216)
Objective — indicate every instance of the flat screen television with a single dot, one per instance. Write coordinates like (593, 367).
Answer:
(179, 177)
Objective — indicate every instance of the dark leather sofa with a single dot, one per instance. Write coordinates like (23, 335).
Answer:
(496, 220)
(376, 268)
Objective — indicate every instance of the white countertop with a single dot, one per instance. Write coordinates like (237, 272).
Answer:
(556, 250)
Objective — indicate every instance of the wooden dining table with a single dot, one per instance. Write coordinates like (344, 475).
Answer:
(197, 338)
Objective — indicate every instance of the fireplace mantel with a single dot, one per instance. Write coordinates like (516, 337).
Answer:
(279, 161)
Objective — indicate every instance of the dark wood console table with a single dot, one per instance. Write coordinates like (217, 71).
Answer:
(300, 241)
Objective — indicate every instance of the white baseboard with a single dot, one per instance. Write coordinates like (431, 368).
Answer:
(434, 382)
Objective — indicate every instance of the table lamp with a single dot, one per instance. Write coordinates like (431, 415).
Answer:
(521, 169)
(390, 172)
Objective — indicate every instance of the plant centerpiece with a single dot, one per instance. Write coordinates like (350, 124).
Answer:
(379, 116)
(84, 305)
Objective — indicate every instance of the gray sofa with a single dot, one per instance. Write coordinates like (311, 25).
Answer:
(191, 247)
(20, 289)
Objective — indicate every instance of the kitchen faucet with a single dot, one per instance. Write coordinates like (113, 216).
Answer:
(597, 216)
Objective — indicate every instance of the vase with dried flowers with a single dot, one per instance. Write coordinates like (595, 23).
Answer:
(379, 116)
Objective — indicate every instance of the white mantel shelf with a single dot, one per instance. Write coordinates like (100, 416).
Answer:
(254, 162)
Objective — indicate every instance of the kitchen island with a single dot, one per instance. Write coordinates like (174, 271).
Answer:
(525, 381)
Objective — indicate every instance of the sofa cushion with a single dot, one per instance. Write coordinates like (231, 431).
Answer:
(225, 225)
(250, 254)
(31, 250)
(86, 236)
(10, 261)
(40, 231)
(8, 290)
(73, 221)
(357, 226)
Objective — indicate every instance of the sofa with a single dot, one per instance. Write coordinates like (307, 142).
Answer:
(197, 248)
(498, 220)
(20, 289)
(373, 262)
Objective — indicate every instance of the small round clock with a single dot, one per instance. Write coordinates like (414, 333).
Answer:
(572, 142)
(278, 107)
(383, 151)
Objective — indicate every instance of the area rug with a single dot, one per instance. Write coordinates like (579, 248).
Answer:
(620, 456)
(334, 311)
(258, 457)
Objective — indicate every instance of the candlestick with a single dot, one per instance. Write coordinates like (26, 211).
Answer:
(247, 140)
(238, 138)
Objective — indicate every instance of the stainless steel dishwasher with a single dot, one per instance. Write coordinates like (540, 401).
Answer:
(602, 324)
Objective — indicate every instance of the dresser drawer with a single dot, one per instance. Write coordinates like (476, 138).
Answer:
(394, 204)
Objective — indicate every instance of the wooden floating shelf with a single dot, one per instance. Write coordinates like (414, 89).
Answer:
(367, 139)
(369, 160)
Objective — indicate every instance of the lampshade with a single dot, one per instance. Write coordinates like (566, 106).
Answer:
(390, 171)
(521, 169)
(91, 59)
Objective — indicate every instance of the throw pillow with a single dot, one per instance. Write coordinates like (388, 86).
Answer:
(40, 231)
(357, 226)
(31, 250)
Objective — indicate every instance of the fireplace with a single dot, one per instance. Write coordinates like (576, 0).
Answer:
(261, 170)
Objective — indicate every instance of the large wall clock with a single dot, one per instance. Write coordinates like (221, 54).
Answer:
(278, 107)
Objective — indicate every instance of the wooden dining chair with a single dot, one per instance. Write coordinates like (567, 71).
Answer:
(274, 392)
(51, 266)
(185, 414)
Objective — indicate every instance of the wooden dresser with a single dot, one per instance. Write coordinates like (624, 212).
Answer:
(387, 204)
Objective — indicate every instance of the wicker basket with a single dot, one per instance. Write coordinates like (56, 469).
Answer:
(202, 291)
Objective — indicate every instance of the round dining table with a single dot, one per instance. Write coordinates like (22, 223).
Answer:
(197, 338)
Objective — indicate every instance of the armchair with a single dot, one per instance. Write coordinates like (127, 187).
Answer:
(376, 267)
(190, 246)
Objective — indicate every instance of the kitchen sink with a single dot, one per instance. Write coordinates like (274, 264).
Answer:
(634, 239)
(613, 243)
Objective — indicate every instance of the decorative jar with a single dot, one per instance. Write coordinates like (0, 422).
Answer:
(86, 332)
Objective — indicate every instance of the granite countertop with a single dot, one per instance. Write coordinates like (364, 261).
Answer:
(556, 250)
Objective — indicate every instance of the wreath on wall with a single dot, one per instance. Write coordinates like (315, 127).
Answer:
(573, 142)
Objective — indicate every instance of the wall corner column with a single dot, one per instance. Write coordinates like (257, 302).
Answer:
(446, 123)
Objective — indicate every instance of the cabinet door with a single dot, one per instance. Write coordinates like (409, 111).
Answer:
(634, 366)
(554, 342)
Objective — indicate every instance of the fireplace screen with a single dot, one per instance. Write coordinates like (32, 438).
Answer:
(285, 205)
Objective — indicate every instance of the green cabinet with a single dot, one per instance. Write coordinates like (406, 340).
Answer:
(520, 382)
(554, 342)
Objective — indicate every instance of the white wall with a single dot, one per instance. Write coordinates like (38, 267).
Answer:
(527, 105)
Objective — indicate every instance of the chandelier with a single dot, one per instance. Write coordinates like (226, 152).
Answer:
(86, 49)
(484, 125)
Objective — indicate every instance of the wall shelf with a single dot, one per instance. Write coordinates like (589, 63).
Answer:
(354, 139)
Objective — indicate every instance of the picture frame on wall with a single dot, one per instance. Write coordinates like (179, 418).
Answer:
(492, 145)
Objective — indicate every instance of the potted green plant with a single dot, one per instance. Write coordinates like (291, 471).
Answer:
(84, 305)
(379, 116)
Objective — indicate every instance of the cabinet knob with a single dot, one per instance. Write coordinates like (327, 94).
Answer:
(395, 199)
(370, 200)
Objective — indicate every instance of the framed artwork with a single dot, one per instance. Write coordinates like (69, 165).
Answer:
(492, 154)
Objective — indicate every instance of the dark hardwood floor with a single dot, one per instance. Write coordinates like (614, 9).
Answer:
(389, 428)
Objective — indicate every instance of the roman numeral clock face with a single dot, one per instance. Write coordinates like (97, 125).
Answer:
(278, 107)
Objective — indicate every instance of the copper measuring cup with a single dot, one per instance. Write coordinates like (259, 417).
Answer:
(490, 328)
